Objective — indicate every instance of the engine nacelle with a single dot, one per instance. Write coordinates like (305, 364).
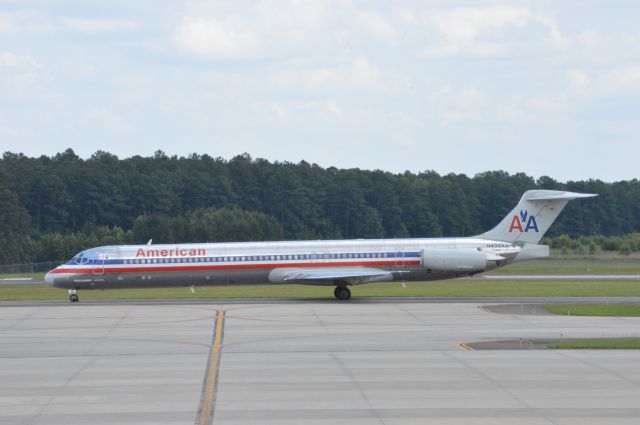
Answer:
(454, 260)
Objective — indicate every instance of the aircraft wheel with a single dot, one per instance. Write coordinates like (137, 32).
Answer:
(74, 298)
(342, 293)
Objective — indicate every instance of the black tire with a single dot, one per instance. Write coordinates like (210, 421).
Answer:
(342, 293)
(74, 298)
(347, 293)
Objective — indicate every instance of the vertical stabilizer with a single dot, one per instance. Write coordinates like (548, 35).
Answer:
(532, 217)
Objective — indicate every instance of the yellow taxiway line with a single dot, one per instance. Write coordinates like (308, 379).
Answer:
(482, 308)
(205, 413)
(465, 346)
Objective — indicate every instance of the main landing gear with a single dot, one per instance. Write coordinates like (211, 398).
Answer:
(342, 293)
(73, 296)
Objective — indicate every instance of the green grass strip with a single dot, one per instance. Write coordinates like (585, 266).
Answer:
(562, 265)
(598, 344)
(632, 310)
(444, 288)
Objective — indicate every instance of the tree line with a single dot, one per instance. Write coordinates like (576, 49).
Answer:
(54, 206)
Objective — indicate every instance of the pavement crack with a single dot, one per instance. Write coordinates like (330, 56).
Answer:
(358, 387)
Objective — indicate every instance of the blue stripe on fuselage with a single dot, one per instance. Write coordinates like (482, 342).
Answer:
(259, 257)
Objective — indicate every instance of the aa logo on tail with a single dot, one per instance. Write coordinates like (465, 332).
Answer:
(524, 218)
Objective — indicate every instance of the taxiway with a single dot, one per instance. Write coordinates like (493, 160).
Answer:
(308, 362)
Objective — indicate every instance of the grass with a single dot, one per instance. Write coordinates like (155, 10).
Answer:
(444, 288)
(600, 263)
(627, 310)
(598, 344)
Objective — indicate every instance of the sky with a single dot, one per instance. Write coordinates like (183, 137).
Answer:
(541, 87)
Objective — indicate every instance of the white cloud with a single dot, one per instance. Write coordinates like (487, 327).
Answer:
(332, 107)
(376, 25)
(10, 59)
(24, 23)
(577, 77)
(547, 104)
(465, 98)
(6, 24)
(462, 31)
(25, 80)
(107, 120)
(323, 72)
(589, 39)
(217, 39)
(455, 105)
(623, 78)
(286, 112)
(97, 26)
(357, 76)
(278, 111)
(260, 29)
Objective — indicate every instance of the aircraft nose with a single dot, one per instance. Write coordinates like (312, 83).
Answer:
(49, 279)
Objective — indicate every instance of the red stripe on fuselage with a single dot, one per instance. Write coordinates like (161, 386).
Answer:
(204, 267)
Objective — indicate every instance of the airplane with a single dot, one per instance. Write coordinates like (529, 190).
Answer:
(339, 263)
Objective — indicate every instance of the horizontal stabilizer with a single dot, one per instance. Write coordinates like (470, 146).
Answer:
(552, 195)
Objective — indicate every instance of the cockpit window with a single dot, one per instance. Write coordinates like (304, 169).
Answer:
(80, 259)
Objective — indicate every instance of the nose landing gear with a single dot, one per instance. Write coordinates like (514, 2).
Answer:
(342, 293)
(73, 296)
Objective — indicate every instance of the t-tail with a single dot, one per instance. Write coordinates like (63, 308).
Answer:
(532, 217)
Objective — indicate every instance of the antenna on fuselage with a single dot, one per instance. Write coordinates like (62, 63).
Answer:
(150, 242)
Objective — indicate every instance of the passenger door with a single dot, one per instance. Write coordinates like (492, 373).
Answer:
(98, 266)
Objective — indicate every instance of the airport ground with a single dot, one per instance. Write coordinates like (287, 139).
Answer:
(471, 351)
(382, 361)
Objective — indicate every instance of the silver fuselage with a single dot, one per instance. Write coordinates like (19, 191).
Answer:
(128, 266)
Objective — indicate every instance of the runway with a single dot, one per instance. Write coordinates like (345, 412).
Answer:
(306, 363)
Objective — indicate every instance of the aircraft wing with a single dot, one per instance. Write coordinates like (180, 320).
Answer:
(320, 276)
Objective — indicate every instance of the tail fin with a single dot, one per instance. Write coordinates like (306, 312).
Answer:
(532, 217)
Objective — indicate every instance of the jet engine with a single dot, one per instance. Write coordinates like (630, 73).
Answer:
(454, 260)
